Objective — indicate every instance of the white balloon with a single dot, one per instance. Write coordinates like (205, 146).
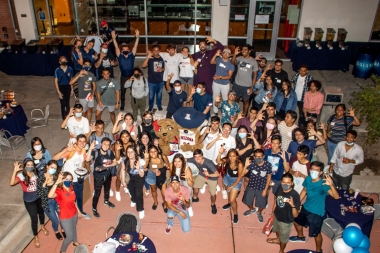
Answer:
(353, 225)
(341, 247)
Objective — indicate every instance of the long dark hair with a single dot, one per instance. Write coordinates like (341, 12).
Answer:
(55, 176)
(25, 173)
(237, 138)
(73, 49)
(287, 82)
(123, 151)
(183, 167)
(141, 145)
(126, 161)
(65, 174)
(238, 160)
(130, 115)
(274, 131)
(34, 140)
(266, 84)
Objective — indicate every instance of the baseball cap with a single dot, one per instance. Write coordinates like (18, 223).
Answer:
(104, 44)
(174, 178)
(226, 50)
(103, 23)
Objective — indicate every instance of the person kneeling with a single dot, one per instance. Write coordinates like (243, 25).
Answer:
(177, 198)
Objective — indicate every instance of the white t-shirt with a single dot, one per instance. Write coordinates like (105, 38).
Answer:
(298, 181)
(185, 68)
(78, 127)
(75, 162)
(98, 42)
(299, 87)
(228, 142)
(208, 153)
(171, 65)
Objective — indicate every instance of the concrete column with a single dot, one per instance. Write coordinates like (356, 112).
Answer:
(220, 20)
(26, 19)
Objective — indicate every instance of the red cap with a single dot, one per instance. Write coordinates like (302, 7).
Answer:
(104, 44)
(103, 23)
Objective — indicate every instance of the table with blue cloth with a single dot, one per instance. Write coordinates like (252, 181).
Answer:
(333, 210)
(301, 251)
(15, 122)
(128, 248)
(319, 59)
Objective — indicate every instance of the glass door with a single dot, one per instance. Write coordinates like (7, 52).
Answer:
(263, 26)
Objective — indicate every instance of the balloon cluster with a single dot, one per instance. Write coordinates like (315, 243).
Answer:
(353, 240)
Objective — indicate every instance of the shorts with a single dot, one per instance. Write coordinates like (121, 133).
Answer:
(228, 181)
(241, 91)
(187, 80)
(199, 181)
(152, 179)
(86, 104)
(311, 220)
(251, 194)
(111, 108)
(283, 228)
(275, 186)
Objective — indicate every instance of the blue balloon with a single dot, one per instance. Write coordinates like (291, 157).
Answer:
(365, 242)
(352, 236)
(360, 250)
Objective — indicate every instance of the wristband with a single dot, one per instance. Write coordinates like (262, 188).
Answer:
(293, 207)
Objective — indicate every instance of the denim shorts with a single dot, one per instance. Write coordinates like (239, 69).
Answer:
(150, 177)
(228, 181)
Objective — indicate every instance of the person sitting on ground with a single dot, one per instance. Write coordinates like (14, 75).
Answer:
(39, 154)
(76, 123)
(229, 108)
(286, 99)
(139, 91)
(300, 165)
(202, 100)
(177, 97)
(286, 128)
(299, 136)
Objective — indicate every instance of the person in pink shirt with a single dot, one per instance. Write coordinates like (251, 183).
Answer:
(313, 100)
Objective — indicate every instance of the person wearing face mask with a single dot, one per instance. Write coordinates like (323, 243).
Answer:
(313, 210)
(39, 154)
(186, 70)
(126, 59)
(89, 54)
(76, 56)
(62, 191)
(202, 99)
(177, 97)
(286, 207)
(26, 176)
(147, 125)
(62, 77)
(44, 184)
(346, 156)
(105, 60)
(76, 123)
(139, 91)
(86, 89)
(106, 34)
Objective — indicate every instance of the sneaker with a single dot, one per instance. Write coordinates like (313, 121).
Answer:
(118, 197)
(96, 214)
(236, 219)
(190, 210)
(213, 209)
(109, 204)
(111, 193)
(203, 190)
(249, 212)
(168, 229)
(195, 200)
(86, 216)
(260, 217)
(225, 194)
(217, 188)
(127, 191)
(297, 239)
(141, 215)
(150, 109)
(159, 108)
(226, 207)
(133, 204)
(122, 108)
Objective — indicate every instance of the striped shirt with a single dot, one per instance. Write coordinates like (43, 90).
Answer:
(315, 101)
(308, 78)
(338, 129)
(286, 134)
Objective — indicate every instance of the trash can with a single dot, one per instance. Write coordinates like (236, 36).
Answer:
(376, 64)
(31, 47)
(364, 62)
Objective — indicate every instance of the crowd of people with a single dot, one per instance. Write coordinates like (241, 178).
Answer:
(262, 147)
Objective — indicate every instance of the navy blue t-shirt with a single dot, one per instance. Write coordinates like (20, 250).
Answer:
(176, 100)
(88, 56)
(201, 102)
(293, 146)
(126, 64)
(153, 75)
(62, 76)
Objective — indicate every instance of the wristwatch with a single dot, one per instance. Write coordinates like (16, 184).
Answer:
(220, 77)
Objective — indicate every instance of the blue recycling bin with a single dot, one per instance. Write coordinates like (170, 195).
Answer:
(364, 62)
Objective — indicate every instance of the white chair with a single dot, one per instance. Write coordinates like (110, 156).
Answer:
(13, 142)
(35, 122)
(332, 229)
(81, 248)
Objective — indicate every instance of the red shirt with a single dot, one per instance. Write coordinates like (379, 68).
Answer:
(31, 187)
(66, 202)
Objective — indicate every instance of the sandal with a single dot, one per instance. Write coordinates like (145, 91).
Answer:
(165, 208)
(44, 230)
(273, 241)
(146, 194)
(154, 207)
(59, 236)
(76, 244)
(36, 242)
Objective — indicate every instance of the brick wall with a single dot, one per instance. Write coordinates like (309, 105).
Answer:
(6, 21)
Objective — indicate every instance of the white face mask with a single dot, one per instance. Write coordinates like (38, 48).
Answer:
(177, 88)
(38, 147)
(314, 174)
(104, 50)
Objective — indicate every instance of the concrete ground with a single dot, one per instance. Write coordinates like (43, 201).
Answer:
(210, 233)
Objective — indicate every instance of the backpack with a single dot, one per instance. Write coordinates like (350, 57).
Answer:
(93, 137)
(111, 169)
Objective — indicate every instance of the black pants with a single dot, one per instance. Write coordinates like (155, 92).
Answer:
(65, 101)
(135, 187)
(98, 183)
(342, 182)
(123, 79)
(301, 116)
(282, 114)
(35, 211)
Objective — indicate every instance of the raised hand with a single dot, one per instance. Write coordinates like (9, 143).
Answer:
(149, 54)
(351, 112)
(137, 33)
(218, 52)
(113, 34)
(328, 180)
(170, 76)
(237, 51)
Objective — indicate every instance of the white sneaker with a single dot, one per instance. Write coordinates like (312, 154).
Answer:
(133, 204)
(217, 188)
(203, 190)
(127, 191)
(225, 194)
(141, 215)
(118, 197)
(111, 193)
(190, 210)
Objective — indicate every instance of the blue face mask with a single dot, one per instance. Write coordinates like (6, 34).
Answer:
(78, 114)
(87, 68)
(242, 135)
(199, 90)
(67, 183)
(52, 171)
(314, 174)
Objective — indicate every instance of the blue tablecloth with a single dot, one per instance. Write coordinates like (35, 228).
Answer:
(15, 123)
(147, 243)
(320, 59)
(333, 210)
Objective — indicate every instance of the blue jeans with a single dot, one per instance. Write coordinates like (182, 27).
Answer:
(185, 223)
(78, 189)
(155, 89)
(52, 214)
(331, 148)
